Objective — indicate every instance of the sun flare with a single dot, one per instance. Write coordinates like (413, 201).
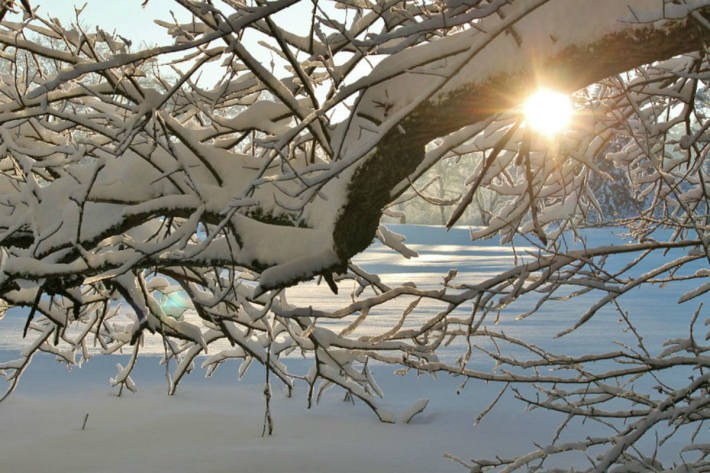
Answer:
(548, 112)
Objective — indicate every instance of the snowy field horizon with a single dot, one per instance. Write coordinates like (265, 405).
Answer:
(215, 425)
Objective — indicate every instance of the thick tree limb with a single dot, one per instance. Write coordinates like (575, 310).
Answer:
(401, 149)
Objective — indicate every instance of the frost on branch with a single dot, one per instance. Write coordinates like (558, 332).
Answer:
(138, 197)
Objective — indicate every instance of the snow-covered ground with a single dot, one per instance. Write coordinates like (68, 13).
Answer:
(215, 425)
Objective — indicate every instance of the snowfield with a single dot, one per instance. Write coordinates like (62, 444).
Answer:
(215, 425)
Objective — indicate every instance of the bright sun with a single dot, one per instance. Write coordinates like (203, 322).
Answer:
(548, 112)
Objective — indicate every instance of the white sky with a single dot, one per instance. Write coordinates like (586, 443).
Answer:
(125, 16)
(132, 21)
(136, 23)
(128, 19)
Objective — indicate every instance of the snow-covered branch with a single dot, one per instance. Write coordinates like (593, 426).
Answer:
(128, 180)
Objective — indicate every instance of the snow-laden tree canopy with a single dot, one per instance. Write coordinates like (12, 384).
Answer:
(126, 176)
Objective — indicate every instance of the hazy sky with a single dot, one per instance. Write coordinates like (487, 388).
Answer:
(127, 17)
(136, 23)
(131, 20)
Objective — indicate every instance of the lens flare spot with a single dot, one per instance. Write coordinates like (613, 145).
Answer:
(174, 304)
